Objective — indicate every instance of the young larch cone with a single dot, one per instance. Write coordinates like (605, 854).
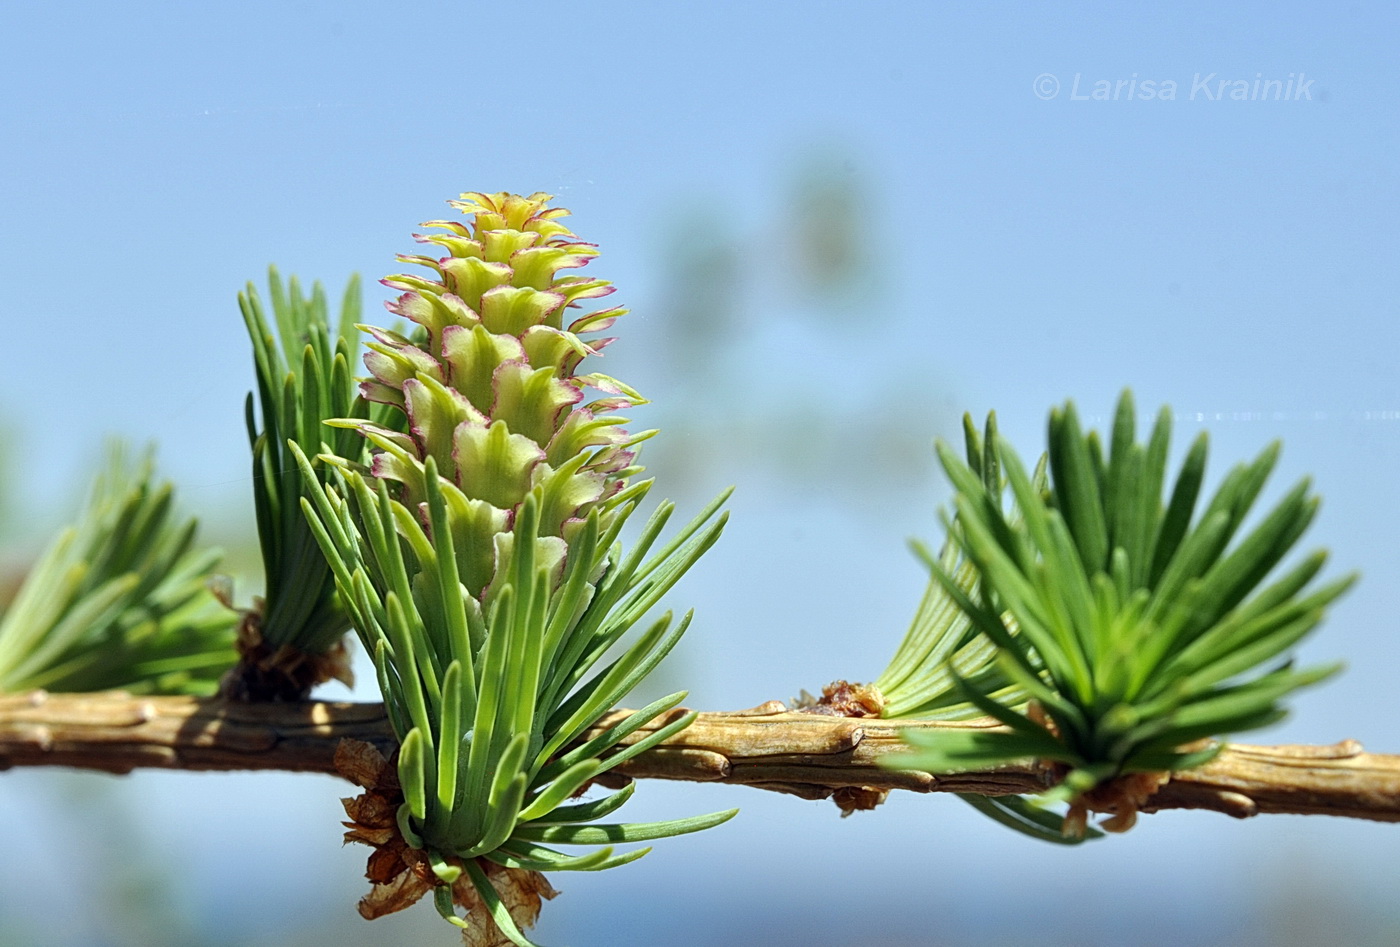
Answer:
(489, 383)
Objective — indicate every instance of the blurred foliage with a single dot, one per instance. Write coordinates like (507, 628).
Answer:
(119, 599)
(832, 233)
(746, 306)
(702, 296)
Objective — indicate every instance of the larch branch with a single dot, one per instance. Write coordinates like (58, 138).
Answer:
(768, 747)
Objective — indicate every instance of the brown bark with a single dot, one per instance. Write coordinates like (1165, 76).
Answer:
(807, 755)
(116, 732)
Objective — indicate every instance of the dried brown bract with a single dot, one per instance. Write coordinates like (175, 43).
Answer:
(843, 699)
(283, 673)
(400, 875)
(1122, 796)
(858, 798)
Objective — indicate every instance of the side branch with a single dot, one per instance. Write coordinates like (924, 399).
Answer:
(807, 755)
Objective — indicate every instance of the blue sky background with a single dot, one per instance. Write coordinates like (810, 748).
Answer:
(839, 227)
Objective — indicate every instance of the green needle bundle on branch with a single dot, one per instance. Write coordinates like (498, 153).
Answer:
(1138, 629)
(943, 654)
(119, 599)
(292, 638)
(478, 553)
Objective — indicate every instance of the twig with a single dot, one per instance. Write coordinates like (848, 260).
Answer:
(767, 747)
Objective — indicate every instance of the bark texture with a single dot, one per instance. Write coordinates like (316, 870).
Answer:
(767, 747)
